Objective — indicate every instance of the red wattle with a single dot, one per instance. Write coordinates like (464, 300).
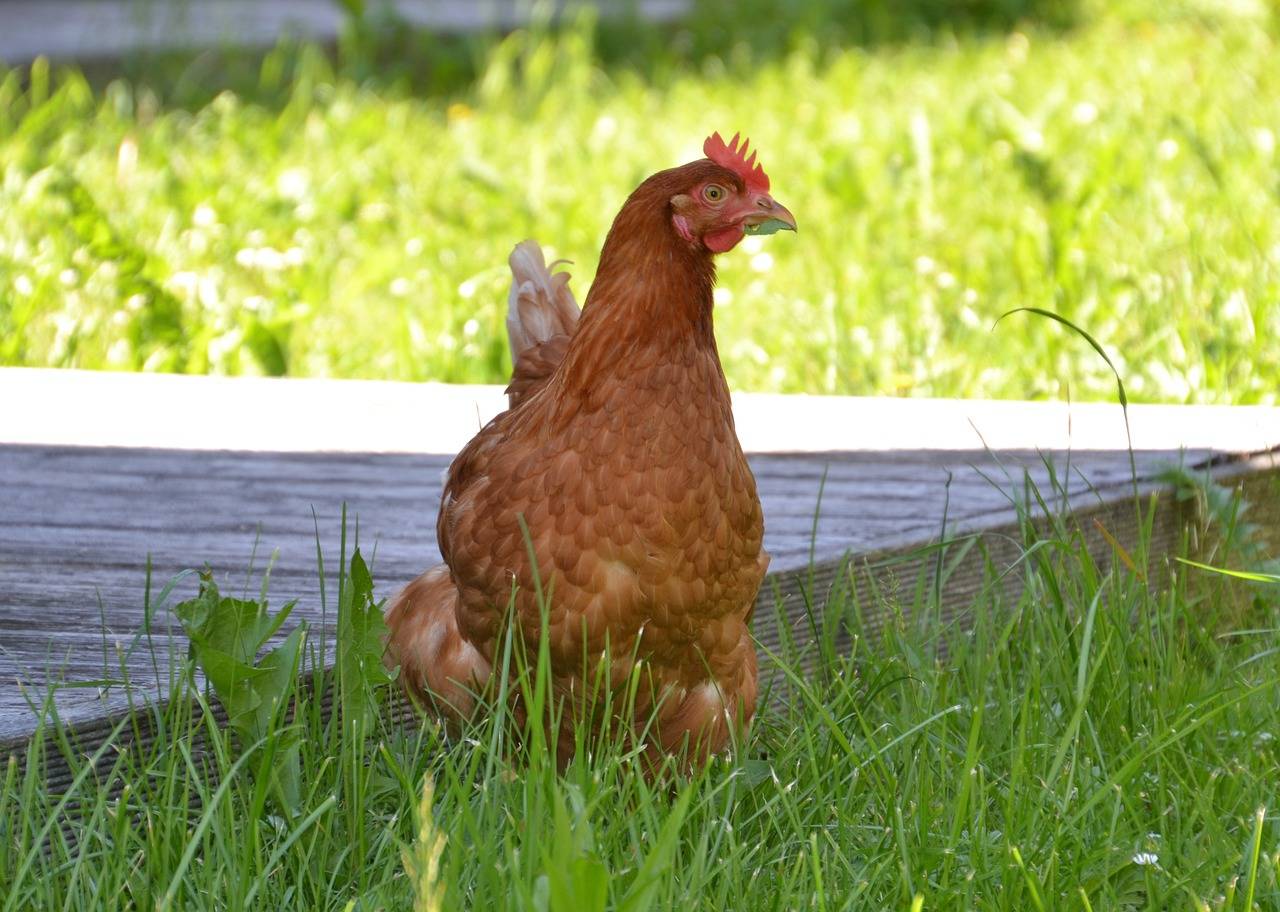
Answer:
(723, 240)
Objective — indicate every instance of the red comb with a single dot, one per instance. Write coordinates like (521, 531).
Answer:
(736, 160)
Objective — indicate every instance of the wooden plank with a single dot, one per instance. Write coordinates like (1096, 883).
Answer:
(73, 408)
(898, 568)
(885, 570)
(77, 522)
(90, 29)
(102, 570)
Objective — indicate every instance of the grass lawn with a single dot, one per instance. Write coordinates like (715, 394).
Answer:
(1108, 740)
(1099, 744)
(324, 220)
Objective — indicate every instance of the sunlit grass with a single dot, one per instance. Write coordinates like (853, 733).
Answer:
(1103, 742)
(1125, 173)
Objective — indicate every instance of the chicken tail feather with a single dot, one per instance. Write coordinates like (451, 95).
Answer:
(541, 317)
(438, 666)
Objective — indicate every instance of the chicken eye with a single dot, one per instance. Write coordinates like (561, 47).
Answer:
(713, 193)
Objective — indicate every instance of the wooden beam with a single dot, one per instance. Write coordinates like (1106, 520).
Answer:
(101, 472)
(102, 408)
(94, 29)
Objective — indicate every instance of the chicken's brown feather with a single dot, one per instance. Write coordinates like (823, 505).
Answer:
(534, 367)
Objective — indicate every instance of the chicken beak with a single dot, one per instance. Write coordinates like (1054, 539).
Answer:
(769, 217)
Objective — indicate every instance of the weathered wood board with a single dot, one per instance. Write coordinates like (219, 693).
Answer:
(78, 524)
(92, 29)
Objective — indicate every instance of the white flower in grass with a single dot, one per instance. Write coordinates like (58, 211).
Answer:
(1264, 141)
(847, 128)
(1236, 309)
(22, 285)
(1167, 149)
(269, 259)
(184, 283)
(605, 128)
(204, 216)
(1146, 858)
(292, 184)
(127, 158)
(1084, 113)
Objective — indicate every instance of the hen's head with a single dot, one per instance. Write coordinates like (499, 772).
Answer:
(724, 196)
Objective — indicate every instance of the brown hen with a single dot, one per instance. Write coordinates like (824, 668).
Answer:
(618, 453)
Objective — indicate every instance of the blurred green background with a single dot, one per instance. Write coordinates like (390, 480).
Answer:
(347, 211)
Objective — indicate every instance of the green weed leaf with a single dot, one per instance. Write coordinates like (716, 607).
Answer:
(361, 634)
(226, 636)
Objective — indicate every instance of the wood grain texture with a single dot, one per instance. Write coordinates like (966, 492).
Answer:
(78, 525)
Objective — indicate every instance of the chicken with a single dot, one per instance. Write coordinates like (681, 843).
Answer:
(616, 474)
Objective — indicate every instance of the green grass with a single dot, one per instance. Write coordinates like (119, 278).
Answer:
(1106, 741)
(322, 219)
(1098, 744)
